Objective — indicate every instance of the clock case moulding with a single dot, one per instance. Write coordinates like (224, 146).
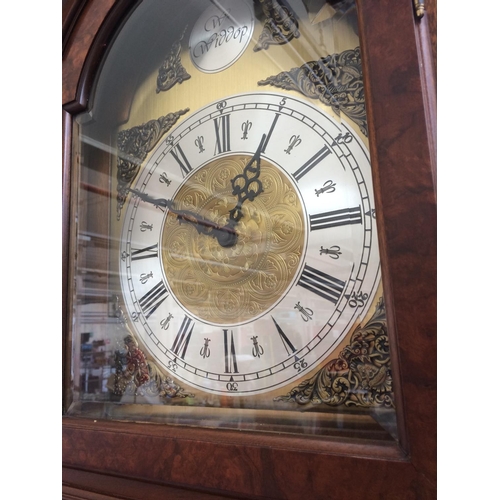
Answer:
(411, 345)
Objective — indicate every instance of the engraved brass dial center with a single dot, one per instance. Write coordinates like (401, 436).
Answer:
(232, 285)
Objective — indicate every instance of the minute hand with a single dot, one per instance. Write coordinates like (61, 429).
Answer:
(247, 186)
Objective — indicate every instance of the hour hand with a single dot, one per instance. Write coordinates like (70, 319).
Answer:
(225, 235)
(157, 202)
(247, 186)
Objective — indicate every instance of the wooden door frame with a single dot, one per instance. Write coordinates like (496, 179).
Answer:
(103, 459)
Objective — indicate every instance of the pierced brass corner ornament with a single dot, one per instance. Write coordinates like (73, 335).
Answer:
(137, 375)
(361, 375)
(336, 80)
(133, 146)
(419, 6)
(280, 26)
(172, 71)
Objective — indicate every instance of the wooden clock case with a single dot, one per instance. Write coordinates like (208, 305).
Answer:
(114, 459)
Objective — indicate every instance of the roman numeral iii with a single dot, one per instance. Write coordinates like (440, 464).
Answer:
(336, 218)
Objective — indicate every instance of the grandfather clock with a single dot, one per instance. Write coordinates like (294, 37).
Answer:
(249, 249)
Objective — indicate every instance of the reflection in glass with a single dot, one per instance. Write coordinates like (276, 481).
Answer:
(147, 91)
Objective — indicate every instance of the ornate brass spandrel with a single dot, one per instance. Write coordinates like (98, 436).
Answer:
(335, 80)
(172, 71)
(233, 285)
(134, 144)
(280, 24)
(137, 375)
(361, 374)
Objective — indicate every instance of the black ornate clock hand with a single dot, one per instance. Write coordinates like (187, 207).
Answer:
(225, 235)
(158, 202)
(247, 186)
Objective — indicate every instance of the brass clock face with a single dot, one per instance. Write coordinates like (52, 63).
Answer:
(247, 240)
(236, 284)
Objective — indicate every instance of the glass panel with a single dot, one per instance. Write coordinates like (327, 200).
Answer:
(227, 269)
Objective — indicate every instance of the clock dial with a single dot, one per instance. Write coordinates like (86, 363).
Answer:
(248, 237)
